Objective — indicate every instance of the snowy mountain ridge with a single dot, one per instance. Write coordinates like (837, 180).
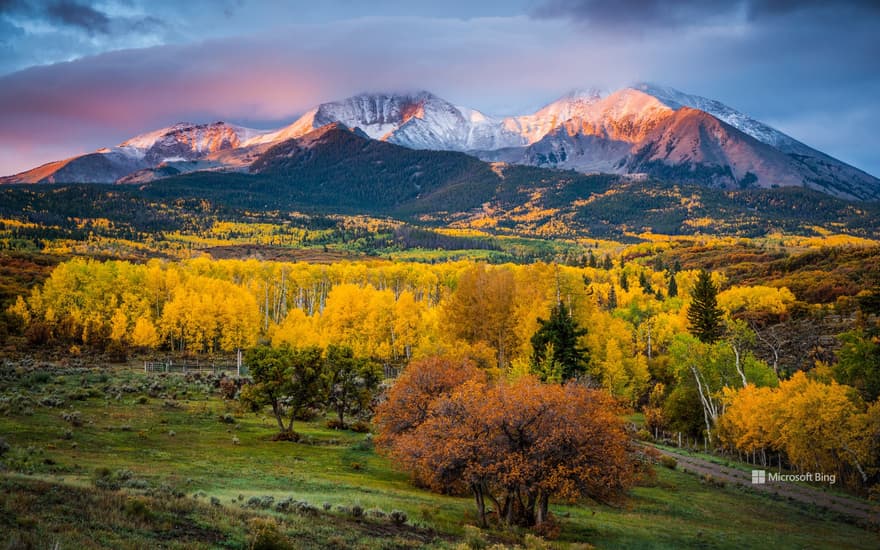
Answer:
(586, 130)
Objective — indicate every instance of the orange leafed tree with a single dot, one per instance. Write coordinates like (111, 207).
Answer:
(408, 402)
(515, 445)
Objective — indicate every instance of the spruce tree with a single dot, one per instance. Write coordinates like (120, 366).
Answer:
(672, 289)
(612, 299)
(704, 315)
(556, 355)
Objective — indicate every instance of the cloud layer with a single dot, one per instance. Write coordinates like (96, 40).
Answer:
(809, 71)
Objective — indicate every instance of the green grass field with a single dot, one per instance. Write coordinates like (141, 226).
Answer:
(157, 437)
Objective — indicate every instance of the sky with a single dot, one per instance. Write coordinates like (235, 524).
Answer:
(77, 75)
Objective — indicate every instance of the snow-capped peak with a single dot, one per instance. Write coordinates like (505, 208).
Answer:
(758, 130)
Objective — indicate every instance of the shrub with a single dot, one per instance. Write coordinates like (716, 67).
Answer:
(397, 517)
(52, 401)
(266, 535)
(215, 501)
(37, 378)
(138, 508)
(4, 447)
(228, 388)
(668, 462)
(336, 424)
(143, 400)
(356, 511)
(285, 504)
(305, 509)
(532, 542)
(107, 479)
(360, 427)
(227, 418)
(327, 506)
(366, 444)
(74, 418)
(474, 538)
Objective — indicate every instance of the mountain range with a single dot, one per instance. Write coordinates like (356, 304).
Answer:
(643, 130)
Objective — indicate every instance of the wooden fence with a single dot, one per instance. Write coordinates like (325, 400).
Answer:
(223, 366)
(184, 367)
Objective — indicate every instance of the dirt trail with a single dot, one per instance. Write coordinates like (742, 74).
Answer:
(842, 504)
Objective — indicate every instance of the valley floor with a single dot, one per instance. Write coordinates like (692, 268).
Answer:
(163, 461)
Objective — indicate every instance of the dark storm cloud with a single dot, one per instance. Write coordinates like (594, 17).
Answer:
(70, 14)
(78, 15)
(632, 12)
(653, 14)
(760, 8)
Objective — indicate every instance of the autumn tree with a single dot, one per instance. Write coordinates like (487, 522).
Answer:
(517, 445)
(481, 310)
(705, 318)
(555, 346)
(351, 382)
(289, 380)
(814, 425)
(407, 402)
(710, 368)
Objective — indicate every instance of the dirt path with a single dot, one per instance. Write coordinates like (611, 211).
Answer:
(842, 504)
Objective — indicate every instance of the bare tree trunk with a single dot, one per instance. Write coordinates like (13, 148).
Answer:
(738, 363)
(710, 409)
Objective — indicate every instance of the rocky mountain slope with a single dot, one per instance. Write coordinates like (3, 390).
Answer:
(644, 129)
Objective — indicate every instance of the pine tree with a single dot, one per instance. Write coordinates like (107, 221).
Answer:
(558, 336)
(612, 299)
(645, 283)
(672, 289)
(704, 315)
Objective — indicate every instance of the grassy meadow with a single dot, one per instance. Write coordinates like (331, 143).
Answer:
(114, 458)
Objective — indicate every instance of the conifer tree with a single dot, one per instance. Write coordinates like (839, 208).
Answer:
(704, 316)
(558, 336)
(672, 289)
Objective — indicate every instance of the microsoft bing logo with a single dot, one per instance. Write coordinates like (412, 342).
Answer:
(759, 477)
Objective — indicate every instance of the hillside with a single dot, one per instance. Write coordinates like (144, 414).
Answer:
(335, 170)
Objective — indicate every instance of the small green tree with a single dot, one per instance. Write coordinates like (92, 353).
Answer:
(351, 382)
(558, 336)
(289, 380)
(859, 362)
(705, 318)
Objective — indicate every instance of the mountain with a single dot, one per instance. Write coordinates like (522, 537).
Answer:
(643, 129)
(180, 147)
(338, 170)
